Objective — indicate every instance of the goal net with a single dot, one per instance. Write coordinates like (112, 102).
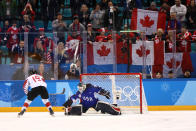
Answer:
(125, 88)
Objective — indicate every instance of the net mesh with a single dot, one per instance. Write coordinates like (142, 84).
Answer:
(124, 89)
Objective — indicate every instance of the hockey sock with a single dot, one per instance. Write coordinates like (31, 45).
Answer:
(47, 103)
(26, 104)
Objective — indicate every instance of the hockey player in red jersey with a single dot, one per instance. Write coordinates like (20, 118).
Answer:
(38, 87)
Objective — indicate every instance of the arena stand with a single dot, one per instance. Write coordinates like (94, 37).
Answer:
(38, 22)
(62, 42)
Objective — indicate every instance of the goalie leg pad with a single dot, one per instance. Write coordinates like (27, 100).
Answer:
(107, 108)
(75, 110)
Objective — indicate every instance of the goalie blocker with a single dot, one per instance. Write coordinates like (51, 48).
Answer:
(101, 106)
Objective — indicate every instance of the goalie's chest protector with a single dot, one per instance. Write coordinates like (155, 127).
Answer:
(88, 98)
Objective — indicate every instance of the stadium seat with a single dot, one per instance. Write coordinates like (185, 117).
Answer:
(68, 22)
(193, 47)
(116, 1)
(49, 35)
(50, 25)
(67, 2)
(39, 24)
(125, 22)
(1, 24)
(66, 12)
(90, 9)
(120, 11)
(98, 1)
(158, 2)
(66, 35)
(6, 61)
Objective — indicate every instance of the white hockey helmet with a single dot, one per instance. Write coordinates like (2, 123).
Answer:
(81, 87)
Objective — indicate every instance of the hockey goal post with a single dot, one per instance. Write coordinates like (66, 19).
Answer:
(126, 89)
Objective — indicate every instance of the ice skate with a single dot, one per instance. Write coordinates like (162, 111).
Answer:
(21, 113)
(51, 112)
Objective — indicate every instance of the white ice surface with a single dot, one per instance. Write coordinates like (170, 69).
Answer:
(152, 121)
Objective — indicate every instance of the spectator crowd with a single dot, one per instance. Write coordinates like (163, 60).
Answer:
(98, 18)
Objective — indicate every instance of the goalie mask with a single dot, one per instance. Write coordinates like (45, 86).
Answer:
(81, 87)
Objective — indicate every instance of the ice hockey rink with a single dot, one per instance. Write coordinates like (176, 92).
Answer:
(151, 121)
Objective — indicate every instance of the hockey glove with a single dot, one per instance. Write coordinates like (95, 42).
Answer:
(68, 103)
(105, 93)
(67, 110)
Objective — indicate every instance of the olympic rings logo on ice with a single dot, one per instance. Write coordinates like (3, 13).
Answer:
(131, 94)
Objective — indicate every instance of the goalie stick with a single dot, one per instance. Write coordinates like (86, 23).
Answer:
(59, 93)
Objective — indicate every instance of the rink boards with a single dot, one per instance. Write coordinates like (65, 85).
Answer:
(163, 94)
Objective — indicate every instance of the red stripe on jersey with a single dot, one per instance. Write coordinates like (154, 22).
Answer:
(24, 83)
(26, 105)
(43, 79)
(47, 104)
(116, 109)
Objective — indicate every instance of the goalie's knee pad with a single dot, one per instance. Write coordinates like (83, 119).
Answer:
(107, 108)
(74, 110)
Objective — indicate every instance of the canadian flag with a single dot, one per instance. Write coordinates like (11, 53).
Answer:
(72, 48)
(176, 62)
(100, 53)
(148, 21)
(143, 53)
(172, 62)
(122, 56)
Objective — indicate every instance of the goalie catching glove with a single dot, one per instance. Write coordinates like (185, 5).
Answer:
(72, 110)
(104, 93)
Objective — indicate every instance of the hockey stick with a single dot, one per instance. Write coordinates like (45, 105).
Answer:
(59, 93)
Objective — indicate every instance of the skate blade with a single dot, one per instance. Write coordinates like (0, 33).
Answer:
(52, 115)
(19, 116)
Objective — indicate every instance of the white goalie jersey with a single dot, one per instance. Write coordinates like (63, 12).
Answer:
(34, 81)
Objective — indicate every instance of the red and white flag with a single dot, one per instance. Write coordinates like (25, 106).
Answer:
(48, 58)
(177, 63)
(142, 49)
(72, 49)
(100, 53)
(148, 21)
(173, 63)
